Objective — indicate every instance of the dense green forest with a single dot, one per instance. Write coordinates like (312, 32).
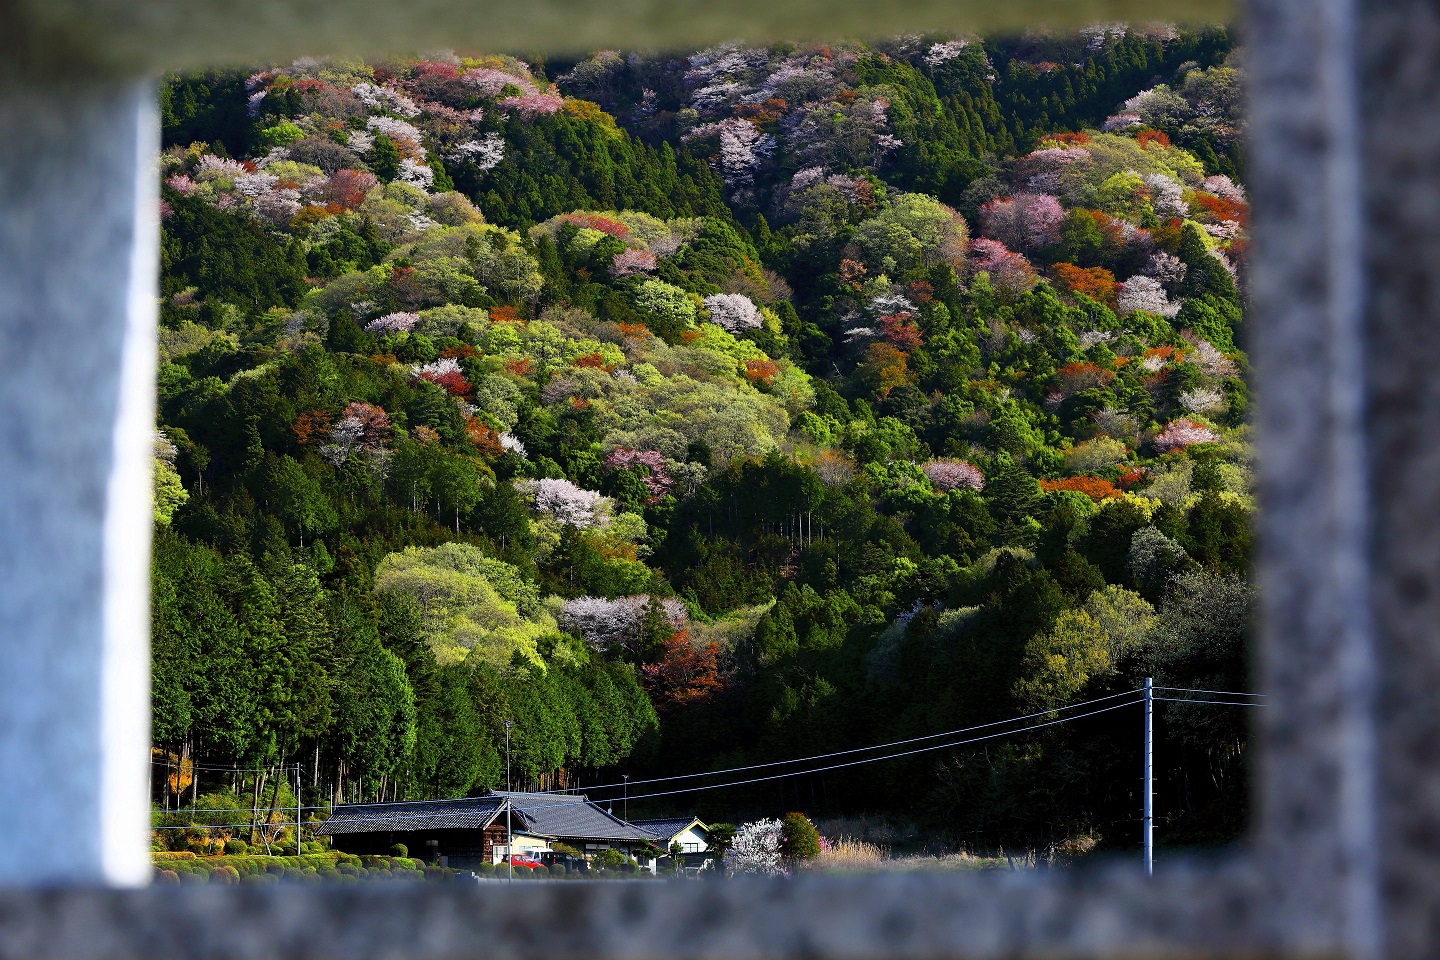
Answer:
(706, 410)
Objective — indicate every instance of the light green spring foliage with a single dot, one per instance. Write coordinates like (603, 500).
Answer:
(1085, 643)
(914, 230)
(473, 607)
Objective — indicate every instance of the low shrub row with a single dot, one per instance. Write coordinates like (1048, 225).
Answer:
(340, 868)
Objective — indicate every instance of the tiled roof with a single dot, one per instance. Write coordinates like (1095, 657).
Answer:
(570, 816)
(666, 829)
(475, 813)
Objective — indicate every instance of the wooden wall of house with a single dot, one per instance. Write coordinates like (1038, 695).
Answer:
(464, 849)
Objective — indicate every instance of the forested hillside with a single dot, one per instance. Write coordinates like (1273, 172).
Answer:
(704, 410)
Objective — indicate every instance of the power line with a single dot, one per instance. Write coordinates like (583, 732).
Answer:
(720, 786)
(1217, 703)
(1225, 693)
(877, 746)
(806, 759)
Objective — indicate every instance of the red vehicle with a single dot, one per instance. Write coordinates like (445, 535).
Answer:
(520, 860)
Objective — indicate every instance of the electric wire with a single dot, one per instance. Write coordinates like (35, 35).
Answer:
(713, 786)
(1223, 693)
(792, 760)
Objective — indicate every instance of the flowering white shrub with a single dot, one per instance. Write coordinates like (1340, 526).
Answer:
(1202, 399)
(513, 444)
(944, 52)
(756, 850)
(416, 173)
(607, 625)
(402, 133)
(383, 98)
(1145, 293)
(486, 153)
(733, 311)
(393, 323)
(567, 503)
(1165, 267)
(1166, 195)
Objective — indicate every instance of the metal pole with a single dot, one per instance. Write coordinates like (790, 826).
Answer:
(298, 767)
(625, 799)
(1148, 830)
(509, 840)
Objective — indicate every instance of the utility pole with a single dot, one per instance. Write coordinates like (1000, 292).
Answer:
(298, 768)
(509, 841)
(1148, 827)
(625, 798)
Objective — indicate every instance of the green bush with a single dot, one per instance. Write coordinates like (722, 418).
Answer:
(557, 869)
(799, 840)
(236, 848)
(227, 876)
(399, 850)
(167, 876)
(176, 855)
(486, 869)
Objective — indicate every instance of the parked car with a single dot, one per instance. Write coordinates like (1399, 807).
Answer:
(520, 860)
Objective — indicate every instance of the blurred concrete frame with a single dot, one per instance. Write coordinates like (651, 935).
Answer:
(1345, 854)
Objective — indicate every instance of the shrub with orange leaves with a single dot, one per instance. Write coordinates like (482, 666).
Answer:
(1147, 137)
(383, 359)
(690, 336)
(310, 425)
(1097, 283)
(851, 272)
(761, 372)
(1132, 477)
(593, 360)
(1066, 139)
(1081, 375)
(885, 367)
(519, 366)
(462, 352)
(505, 313)
(1096, 488)
(485, 438)
(634, 331)
(684, 672)
(1219, 208)
(900, 330)
(580, 403)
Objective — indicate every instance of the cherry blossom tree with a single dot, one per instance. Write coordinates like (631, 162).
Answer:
(944, 52)
(1166, 268)
(1026, 221)
(1009, 272)
(1145, 293)
(485, 153)
(657, 481)
(393, 323)
(756, 850)
(613, 625)
(950, 475)
(567, 503)
(1179, 434)
(533, 104)
(628, 263)
(361, 427)
(733, 311)
(1202, 399)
